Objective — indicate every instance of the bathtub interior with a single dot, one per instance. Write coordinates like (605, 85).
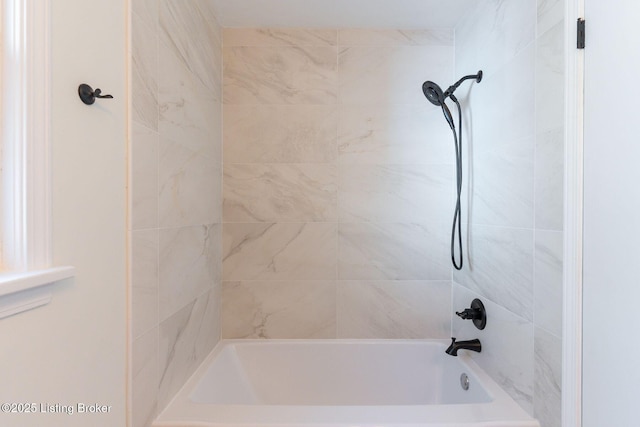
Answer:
(325, 374)
(340, 383)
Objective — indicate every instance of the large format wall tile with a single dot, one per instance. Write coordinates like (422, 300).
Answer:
(144, 378)
(189, 187)
(390, 75)
(549, 180)
(550, 13)
(370, 163)
(279, 309)
(279, 37)
(492, 33)
(190, 113)
(389, 193)
(280, 75)
(502, 106)
(381, 251)
(279, 134)
(547, 398)
(147, 11)
(394, 309)
(176, 196)
(144, 177)
(279, 251)
(189, 258)
(191, 37)
(515, 183)
(387, 37)
(548, 281)
(286, 193)
(144, 77)
(502, 184)
(182, 343)
(404, 134)
(499, 266)
(550, 79)
(144, 277)
(507, 346)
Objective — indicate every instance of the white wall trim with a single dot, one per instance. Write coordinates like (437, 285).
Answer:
(38, 169)
(573, 220)
(26, 121)
(26, 159)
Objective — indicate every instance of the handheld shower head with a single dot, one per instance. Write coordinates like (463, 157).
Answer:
(433, 93)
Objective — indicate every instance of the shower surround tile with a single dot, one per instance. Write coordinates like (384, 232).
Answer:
(498, 201)
(502, 106)
(320, 186)
(280, 134)
(510, 362)
(390, 193)
(186, 339)
(146, 11)
(144, 177)
(547, 396)
(367, 37)
(280, 75)
(499, 266)
(404, 134)
(514, 171)
(279, 37)
(394, 309)
(379, 251)
(279, 251)
(190, 113)
(185, 177)
(549, 180)
(492, 33)
(279, 309)
(189, 265)
(144, 276)
(390, 74)
(192, 38)
(144, 76)
(176, 190)
(550, 79)
(286, 193)
(548, 281)
(550, 13)
(145, 381)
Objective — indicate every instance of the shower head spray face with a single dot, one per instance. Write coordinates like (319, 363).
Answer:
(433, 93)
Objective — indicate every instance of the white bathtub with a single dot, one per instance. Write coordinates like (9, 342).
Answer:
(340, 383)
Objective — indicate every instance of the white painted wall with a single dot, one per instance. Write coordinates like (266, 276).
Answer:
(611, 226)
(74, 349)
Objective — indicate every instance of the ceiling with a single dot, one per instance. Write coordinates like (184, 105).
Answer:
(400, 14)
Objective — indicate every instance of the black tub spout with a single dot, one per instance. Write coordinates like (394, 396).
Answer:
(473, 345)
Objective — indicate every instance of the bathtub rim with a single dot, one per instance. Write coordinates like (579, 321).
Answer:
(182, 412)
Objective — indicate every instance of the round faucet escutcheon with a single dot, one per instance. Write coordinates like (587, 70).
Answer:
(476, 313)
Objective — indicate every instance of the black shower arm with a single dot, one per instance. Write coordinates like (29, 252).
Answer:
(452, 88)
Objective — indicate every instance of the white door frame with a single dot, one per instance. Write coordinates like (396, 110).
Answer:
(573, 219)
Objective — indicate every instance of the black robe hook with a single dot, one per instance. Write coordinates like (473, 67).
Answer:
(88, 95)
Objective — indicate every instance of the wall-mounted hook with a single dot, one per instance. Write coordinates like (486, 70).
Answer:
(88, 95)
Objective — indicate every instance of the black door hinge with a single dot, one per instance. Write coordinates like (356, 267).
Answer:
(581, 35)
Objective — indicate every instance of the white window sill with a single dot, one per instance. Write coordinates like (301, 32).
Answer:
(27, 290)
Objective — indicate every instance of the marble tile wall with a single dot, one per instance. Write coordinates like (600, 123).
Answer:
(514, 202)
(337, 184)
(176, 197)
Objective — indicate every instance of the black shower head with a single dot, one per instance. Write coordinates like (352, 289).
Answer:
(433, 93)
(436, 96)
